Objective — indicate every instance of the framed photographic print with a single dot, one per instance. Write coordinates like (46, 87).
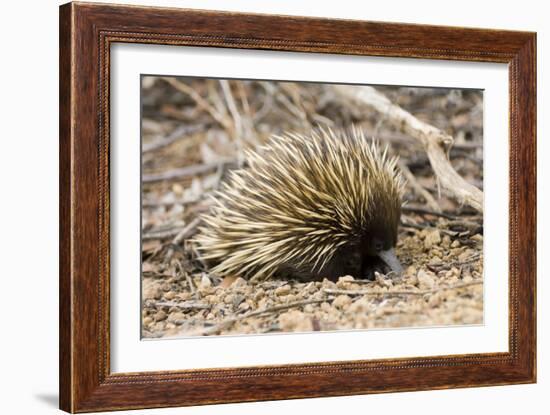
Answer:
(260, 207)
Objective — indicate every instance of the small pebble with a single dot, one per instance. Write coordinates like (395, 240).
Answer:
(295, 320)
(466, 255)
(244, 306)
(239, 283)
(178, 317)
(308, 308)
(259, 294)
(328, 284)
(205, 282)
(290, 298)
(282, 290)
(347, 278)
(153, 292)
(326, 307)
(425, 280)
(160, 315)
(341, 301)
(411, 270)
(432, 238)
(228, 299)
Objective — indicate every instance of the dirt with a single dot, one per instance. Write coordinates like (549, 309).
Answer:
(442, 286)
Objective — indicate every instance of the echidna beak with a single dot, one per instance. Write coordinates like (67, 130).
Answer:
(391, 260)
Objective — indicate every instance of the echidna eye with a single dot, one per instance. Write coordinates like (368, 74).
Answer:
(378, 245)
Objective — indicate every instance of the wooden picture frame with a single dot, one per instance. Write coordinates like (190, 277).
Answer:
(86, 33)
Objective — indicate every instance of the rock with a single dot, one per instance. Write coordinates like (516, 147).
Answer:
(205, 282)
(282, 290)
(290, 298)
(466, 255)
(170, 295)
(147, 321)
(477, 237)
(186, 295)
(435, 300)
(342, 301)
(425, 280)
(455, 244)
(227, 281)
(310, 288)
(178, 317)
(158, 326)
(326, 307)
(152, 292)
(382, 280)
(361, 306)
(229, 298)
(160, 316)
(177, 189)
(309, 308)
(432, 238)
(294, 320)
(328, 284)
(259, 294)
(434, 261)
(244, 306)
(239, 283)
(237, 299)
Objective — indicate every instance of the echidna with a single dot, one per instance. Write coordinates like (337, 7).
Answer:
(313, 206)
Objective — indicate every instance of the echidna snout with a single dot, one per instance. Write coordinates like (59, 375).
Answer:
(313, 206)
(358, 259)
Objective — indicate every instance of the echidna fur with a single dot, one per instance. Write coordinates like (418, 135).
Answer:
(306, 206)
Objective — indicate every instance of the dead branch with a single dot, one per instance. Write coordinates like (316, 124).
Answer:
(185, 305)
(174, 136)
(433, 140)
(443, 266)
(186, 232)
(232, 320)
(200, 101)
(423, 211)
(187, 171)
(336, 291)
(407, 224)
(161, 234)
(418, 188)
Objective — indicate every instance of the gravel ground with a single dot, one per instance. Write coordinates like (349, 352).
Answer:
(443, 287)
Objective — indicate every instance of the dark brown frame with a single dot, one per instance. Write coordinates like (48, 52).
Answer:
(86, 33)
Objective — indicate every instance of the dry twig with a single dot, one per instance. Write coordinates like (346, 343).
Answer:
(186, 172)
(174, 136)
(230, 321)
(418, 188)
(336, 291)
(200, 101)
